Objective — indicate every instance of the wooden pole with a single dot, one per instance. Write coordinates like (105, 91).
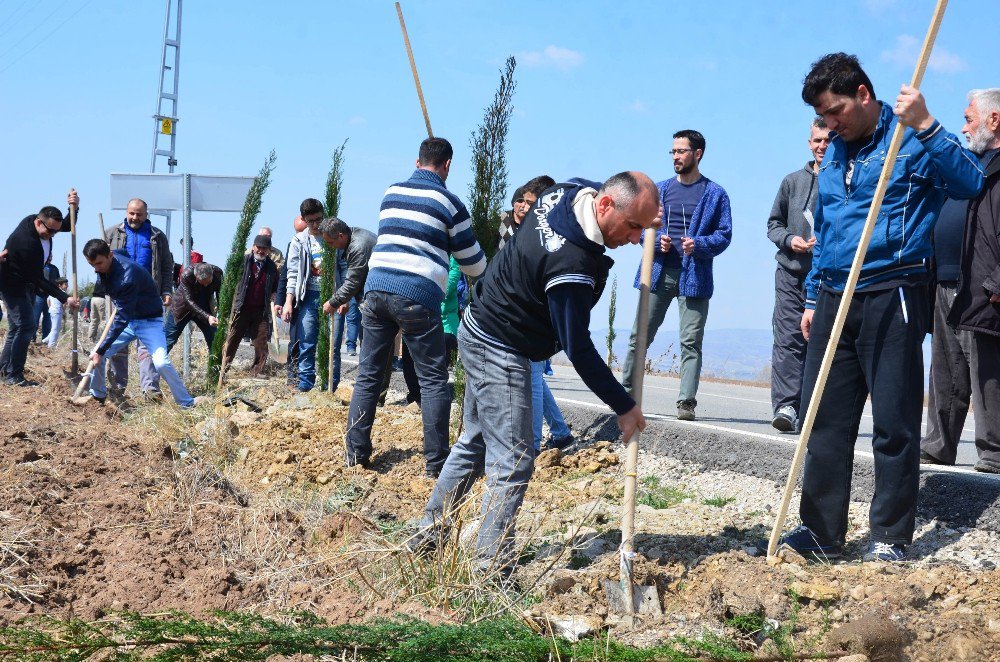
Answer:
(849, 287)
(413, 67)
(632, 450)
(85, 379)
(75, 351)
(329, 365)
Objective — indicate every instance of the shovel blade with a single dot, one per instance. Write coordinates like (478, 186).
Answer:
(278, 351)
(645, 599)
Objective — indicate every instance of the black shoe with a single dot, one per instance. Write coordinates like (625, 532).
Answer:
(561, 443)
(397, 365)
(988, 467)
(804, 542)
(20, 381)
(927, 458)
(364, 463)
(784, 419)
(685, 411)
(885, 551)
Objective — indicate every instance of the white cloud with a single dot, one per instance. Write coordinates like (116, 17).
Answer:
(907, 49)
(357, 120)
(551, 56)
(639, 106)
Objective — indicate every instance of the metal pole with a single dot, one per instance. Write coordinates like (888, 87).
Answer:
(187, 263)
(848, 295)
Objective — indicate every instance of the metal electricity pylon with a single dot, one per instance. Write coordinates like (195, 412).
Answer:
(165, 119)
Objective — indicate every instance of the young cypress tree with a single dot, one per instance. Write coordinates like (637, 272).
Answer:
(328, 282)
(234, 265)
(489, 163)
(612, 306)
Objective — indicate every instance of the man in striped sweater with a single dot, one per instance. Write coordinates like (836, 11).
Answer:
(420, 224)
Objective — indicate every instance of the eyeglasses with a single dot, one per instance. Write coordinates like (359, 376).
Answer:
(682, 150)
(313, 221)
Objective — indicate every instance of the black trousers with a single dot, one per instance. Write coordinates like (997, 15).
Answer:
(950, 387)
(789, 353)
(986, 394)
(879, 353)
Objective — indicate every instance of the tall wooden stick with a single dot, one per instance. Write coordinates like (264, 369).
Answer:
(329, 369)
(632, 450)
(413, 67)
(849, 287)
(75, 351)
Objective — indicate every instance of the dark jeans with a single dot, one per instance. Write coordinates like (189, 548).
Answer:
(353, 324)
(950, 387)
(21, 326)
(986, 395)
(255, 322)
(789, 353)
(384, 314)
(42, 311)
(879, 353)
(339, 323)
(174, 328)
(292, 365)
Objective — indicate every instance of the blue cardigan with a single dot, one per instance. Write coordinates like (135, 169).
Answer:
(712, 230)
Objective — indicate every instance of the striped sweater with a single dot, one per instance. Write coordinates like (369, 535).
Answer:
(420, 224)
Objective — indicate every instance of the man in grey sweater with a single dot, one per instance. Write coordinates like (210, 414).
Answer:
(790, 227)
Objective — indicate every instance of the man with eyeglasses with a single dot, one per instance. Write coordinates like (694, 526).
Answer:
(22, 275)
(697, 227)
(790, 227)
(304, 267)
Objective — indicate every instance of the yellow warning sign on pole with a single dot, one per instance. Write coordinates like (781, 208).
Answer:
(166, 126)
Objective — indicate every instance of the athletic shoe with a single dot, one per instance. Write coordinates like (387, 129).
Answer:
(20, 381)
(885, 551)
(988, 467)
(784, 419)
(804, 541)
(352, 352)
(685, 412)
(561, 443)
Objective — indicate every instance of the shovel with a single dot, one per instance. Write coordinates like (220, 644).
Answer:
(624, 596)
(76, 398)
(277, 348)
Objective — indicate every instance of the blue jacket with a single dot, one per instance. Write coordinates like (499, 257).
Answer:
(134, 294)
(711, 228)
(931, 166)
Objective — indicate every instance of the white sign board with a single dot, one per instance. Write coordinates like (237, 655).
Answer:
(165, 192)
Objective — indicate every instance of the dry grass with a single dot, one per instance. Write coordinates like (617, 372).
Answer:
(16, 578)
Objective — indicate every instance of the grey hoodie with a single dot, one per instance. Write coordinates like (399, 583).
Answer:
(797, 193)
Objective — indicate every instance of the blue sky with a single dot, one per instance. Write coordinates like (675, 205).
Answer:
(601, 88)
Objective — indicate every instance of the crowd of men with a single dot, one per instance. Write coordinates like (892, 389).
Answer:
(933, 265)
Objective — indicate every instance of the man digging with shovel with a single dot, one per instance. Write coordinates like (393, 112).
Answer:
(535, 298)
(139, 316)
(879, 352)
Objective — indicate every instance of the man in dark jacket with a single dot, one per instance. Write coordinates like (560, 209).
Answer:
(146, 245)
(534, 299)
(252, 304)
(977, 303)
(790, 227)
(355, 245)
(192, 302)
(139, 317)
(22, 276)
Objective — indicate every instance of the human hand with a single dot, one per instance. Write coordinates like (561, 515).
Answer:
(95, 359)
(286, 314)
(807, 321)
(342, 309)
(213, 320)
(664, 243)
(72, 303)
(73, 199)
(911, 108)
(800, 245)
(687, 244)
(631, 421)
(327, 308)
(166, 299)
(3, 255)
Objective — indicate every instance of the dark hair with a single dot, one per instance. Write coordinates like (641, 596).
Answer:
(51, 213)
(333, 226)
(538, 184)
(518, 194)
(694, 137)
(61, 281)
(94, 248)
(435, 152)
(838, 73)
(309, 207)
(819, 122)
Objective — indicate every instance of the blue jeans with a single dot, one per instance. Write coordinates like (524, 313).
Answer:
(383, 315)
(42, 311)
(335, 343)
(307, 333)
(543, 404)
(21, 326)
(150, 333)
(496, 440)
(353, 325)
(174, 328)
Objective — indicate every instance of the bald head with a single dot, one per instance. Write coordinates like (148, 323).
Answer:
(627, 204)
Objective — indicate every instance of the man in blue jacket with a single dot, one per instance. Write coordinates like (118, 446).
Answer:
(535, 299)
(139, 317)
(697, 226)
(879, 352)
